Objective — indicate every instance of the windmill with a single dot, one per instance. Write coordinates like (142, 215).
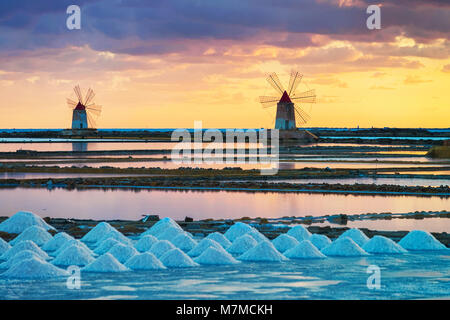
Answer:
(84, 110)
(290, 115)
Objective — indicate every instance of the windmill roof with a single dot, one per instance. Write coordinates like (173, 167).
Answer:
(285, 98)
(80, 106)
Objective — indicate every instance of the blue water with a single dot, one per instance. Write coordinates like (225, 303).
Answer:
(406, 276)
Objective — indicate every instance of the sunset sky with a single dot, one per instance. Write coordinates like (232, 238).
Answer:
(167, 63)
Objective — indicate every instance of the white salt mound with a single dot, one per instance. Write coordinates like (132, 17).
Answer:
(161, 247)
(380, 244)
(299, 232)
(57, 241)
(21, 221)
(284, 242)
(96, 233)
(202, 246)
(34, 233)
(258, 236)
(220, 239)
(4, 246)
(344, 247)
(144, 261)
(123, 252)
(69, 243)
(304, 250)
(176, 258)
(356, 235)
(105, 263)
(34, 268)
(184, 242)
(145, 243)
(242, 244)
(421, 240)
(169, 233)
(264, 251)
(20, 256)
(24, 245)
(320, 241)
(215, 256)
(114, 234)
(236, 230)
(160, 226)
(105, 246)
(74, 255)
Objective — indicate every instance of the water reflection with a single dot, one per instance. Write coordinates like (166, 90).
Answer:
(79, 146)
(126, 204)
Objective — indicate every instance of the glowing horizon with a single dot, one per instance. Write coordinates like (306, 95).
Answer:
(211, 66)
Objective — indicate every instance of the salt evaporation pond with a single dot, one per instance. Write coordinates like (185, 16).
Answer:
(407, 276)
(102, 204)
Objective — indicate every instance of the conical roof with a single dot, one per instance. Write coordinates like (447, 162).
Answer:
(285, 98)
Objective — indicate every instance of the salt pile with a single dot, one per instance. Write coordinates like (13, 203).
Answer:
(69, 243)
(114, 234)
(356, 235)
(34, 268)
(176, 258)
(215, 256)
(24, 245)
(380, 244)
(184, 242)
(74, 255)
(57, 241)
(284, 242)
(105, 246)
(169, 233)
(265, 251)
(320, 241)
(344, 247)
(242, 244)
(161, 247)
(123, 252)
(258, 236)
(421, 240)
(160, 226)
(304, 250)
(20, 256)
(34, 233)
(21, 221)
(236, 230)
(96, 233)
(219, 238)
(105, 263)
(145, 243)
(299, 232)
(202, 246)
(144, 261)
(4, 246)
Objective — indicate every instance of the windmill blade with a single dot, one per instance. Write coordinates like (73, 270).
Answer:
(303, 117)
(294, 81)
(94, 109)
(307, 97)
(71, 104)
(91, 122)
(89, 96)
(78, 93)
(268, 101)
(275, 82)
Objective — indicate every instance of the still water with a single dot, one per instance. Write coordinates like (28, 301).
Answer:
(132, 204)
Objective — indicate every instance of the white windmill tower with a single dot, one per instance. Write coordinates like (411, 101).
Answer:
(84, 110)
